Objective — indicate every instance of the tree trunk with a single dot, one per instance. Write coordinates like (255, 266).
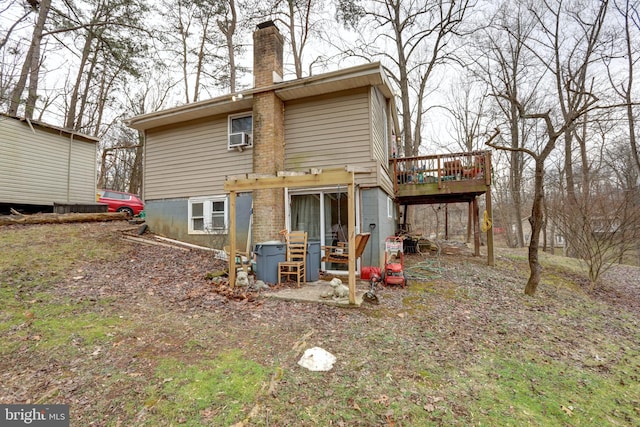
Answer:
(629, 90)
(32, 55)
(406, 111)
(228, 28)
(470, 222)
(184, 31)
(201, 54)
(103, 168)
(83, 120)
(295, 49)
(535, 220)
(34, 75)
(135, 180)
(73, 101)
(53, 218)
(515, 174)
(102, 98)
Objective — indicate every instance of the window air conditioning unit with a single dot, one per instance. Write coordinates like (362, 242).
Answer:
(239, 139)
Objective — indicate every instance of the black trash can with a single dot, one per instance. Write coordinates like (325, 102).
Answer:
(313, 261)
(268, 255)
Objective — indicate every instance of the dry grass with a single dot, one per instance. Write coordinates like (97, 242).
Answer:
(135, 335)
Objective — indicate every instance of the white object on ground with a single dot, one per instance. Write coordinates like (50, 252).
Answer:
(317, 359)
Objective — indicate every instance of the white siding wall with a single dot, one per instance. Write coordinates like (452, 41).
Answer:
(44, 167)
(191, 159)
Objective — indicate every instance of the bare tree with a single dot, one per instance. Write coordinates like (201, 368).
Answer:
(227, 24)
(465, 105)
(302, 23)
(606, 224)
(197, 33)
(297, 20)
(571, 37)
(508, 68)
(413, 39)
(565, 44)
(11, 66)
(536, 219)
(122, 148)
(628, 11)
(31, 65)
(109, 48)
(28, 9)
(10, 50)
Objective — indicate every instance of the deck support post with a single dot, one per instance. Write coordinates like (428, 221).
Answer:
(476, 228)
(490, 258)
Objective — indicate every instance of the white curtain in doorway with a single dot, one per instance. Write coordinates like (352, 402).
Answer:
(305, 214)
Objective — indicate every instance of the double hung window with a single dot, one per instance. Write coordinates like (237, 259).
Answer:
(208, 215)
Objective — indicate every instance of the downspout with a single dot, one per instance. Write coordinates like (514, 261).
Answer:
(287, 209)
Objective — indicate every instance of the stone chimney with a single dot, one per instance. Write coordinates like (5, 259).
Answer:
(268, 131)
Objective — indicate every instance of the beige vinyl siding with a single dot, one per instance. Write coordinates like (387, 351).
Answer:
(328, 132)
(42, 166)
(378, 104)
(82, 183)
(379, 139)
(191, 159)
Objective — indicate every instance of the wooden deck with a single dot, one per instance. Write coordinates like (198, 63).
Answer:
(447, 178)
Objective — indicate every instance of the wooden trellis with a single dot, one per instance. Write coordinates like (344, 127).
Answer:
(341, 177)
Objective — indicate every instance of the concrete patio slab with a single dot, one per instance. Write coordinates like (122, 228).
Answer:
(313, 292)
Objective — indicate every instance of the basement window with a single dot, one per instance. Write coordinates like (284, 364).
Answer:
(240, 131)
(208, 215)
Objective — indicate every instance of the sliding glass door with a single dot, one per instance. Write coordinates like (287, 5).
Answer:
(323, 215)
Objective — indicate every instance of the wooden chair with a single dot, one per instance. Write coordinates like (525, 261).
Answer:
(340, 253)
(294, 268)
(476, 170)
(452, 168)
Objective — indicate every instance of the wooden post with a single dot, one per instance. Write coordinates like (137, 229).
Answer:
(351, 208)
(232, 239)
(470, 220)
(446, 221)
(476, 228)
(490, 259)
(395, 176)
(405, 207)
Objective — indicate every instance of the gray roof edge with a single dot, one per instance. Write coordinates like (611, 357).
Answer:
(225, 103)
(51, 127)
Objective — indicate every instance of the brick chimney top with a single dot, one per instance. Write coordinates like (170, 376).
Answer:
(266, 24)
(268, 45)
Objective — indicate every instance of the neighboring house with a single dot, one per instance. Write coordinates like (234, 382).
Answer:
(342, 119)
(43, 165)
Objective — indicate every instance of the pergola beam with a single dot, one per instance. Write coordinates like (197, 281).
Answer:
(323, 178)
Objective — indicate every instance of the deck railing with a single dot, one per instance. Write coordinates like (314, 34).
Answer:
(441, 168)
